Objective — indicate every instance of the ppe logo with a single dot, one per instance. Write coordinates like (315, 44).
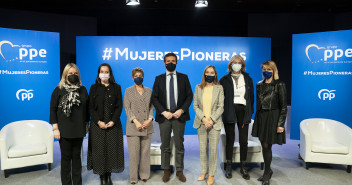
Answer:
(24, 94)
(329, 54)
(24, 52)
(326, 94)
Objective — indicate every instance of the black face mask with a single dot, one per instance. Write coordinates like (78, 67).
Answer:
(73, 79)
(209, 79)
(171, 66)
(138, 80)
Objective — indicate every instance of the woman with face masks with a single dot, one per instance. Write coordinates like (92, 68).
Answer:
(105, 144)
(69, 116)
(269, 122)
(238, 109)
(208, 105)
(139, 126)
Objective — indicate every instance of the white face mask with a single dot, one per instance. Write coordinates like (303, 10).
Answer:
(236, 67)
(104, 77)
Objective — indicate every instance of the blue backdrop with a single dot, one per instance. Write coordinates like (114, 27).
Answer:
(29, 72)
(194, 53)
(321, 77)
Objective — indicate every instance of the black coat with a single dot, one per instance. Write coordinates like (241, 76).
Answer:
(73, 126)
(273, 97)
(184, 100)
(229, 115)
(96, 102)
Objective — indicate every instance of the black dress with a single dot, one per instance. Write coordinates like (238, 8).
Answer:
(271, 112)
(105, 146)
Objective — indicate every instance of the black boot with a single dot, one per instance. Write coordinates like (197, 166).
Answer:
(266, 177)
(228, 172)
(102, 180)
(243, 170)
(108, 178)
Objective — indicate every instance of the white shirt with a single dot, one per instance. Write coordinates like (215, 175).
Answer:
(239, 90)
(168, 77)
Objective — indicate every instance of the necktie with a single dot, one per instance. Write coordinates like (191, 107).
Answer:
(172, 93)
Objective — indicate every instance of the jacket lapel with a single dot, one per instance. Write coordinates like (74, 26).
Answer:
(200, 98)
(163, 86)
(178, 79)
(215, 94)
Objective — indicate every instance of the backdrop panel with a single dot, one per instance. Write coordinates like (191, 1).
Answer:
(321, 77)
(194, 53)
(29, 72)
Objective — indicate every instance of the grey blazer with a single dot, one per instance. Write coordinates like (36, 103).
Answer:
(138, 107)
(217, 107)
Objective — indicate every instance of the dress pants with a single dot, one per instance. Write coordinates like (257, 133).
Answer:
(242, 132)
(139, 154)
(178, 129)
(71, 165)
(208, 143)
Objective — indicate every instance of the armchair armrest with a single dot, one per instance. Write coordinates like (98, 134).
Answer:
(305, 142)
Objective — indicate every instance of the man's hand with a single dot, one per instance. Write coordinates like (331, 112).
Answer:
(177, 114)
(167, 115)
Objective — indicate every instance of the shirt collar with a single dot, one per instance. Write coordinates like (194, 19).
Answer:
(167, 73)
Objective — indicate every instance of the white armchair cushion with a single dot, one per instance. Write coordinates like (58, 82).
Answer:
(155, 149)
(22, 150)
(329, 148)
(253, 147)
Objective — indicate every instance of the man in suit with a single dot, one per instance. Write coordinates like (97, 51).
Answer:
(172, 95)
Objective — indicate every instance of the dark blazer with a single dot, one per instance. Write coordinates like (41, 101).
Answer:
(229, 115)
(96, 102)
(73, 126)
(185, 96)
(273, 97)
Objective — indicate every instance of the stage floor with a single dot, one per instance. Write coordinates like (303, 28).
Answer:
(288, 169)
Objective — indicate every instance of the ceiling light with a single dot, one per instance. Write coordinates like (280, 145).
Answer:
(201, 3)
(132, 2)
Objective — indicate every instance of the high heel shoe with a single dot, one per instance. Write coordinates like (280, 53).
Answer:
(202, 177)
(210, 180)
(269, 174)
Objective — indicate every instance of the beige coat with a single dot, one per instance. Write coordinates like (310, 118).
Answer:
(138, 107)
(217, 107)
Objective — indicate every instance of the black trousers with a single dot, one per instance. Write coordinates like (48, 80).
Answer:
(242, 132)
(71, 154)
(178, 129)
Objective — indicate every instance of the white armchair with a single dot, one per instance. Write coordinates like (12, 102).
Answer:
(254, 151)
(26, 143)
(325, 141)
(155, 152)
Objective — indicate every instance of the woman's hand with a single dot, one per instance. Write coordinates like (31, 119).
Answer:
(280, 129)
(102, 125)
(56, 131)
(146, 123)
(110, 124)
(139, 126)
(57, 134)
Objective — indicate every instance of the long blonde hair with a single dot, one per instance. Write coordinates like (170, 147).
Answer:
(65, 72)
(215, 82)
(272, 65)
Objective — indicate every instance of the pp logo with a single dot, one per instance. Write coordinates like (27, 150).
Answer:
(24, 94)
(326, 94)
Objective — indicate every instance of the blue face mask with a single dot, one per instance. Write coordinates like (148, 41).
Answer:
(138, 80)
(209, 79)
(267, 74)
